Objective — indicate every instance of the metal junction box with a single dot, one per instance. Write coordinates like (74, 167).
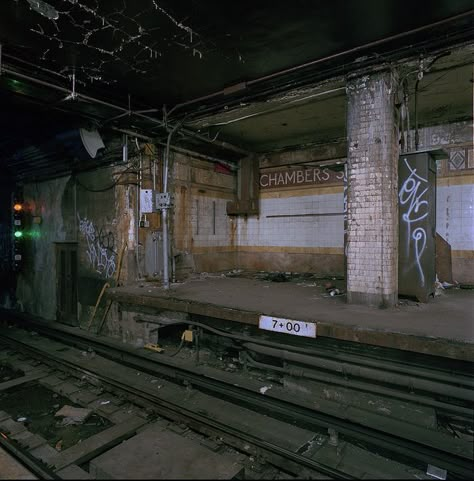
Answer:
(163, 200)
(417, 224)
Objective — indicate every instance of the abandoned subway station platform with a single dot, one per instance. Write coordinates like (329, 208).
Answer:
(241, 233)
(411, 326)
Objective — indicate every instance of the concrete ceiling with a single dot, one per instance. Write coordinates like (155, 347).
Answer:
(167, 52)
(318, 114)
(263, 75)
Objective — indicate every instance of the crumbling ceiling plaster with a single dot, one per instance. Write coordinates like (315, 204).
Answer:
(144, 54)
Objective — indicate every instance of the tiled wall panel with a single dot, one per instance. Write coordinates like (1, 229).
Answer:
(455, 215)
(300, 225)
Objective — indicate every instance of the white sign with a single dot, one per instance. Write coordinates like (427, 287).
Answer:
(146, 201)
(287, 326)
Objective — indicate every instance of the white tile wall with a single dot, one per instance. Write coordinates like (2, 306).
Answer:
(314, 231)
(455, 221)
(455, 215)
(204, 236)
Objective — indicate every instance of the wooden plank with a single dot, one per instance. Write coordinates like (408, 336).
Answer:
(156, 453)
(12, 469)
(97, 444)
(21, 380)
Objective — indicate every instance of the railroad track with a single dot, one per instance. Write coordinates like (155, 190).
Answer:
(424, 450)
(35, 467)
(292, 462)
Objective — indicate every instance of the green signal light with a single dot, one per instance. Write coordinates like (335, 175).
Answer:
(18, 234)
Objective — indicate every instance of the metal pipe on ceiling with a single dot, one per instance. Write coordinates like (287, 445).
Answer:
(198, 155)
(191, 133)
(311, 63)
(186, 131)
(231, 165)
(278, 108)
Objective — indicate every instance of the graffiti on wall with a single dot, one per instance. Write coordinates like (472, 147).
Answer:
(415, 208)
(100, 247)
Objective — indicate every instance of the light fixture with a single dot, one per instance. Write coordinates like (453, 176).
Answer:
(44, 9)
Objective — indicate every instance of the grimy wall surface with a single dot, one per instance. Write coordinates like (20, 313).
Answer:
(100, 219)
(204, 236)
(36, 285)
(301, 224)
(300, 227)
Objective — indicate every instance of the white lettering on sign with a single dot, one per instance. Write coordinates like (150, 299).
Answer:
(314, 175)
(287, 326)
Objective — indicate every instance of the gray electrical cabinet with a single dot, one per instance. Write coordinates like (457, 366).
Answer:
(417, 224)
(154, 253)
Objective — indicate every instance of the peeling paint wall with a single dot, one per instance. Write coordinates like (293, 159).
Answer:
(455, 194)
(300, 226)
(204, 236)
(97, 236)
(312, 243)
(91, 211)
(36, 287)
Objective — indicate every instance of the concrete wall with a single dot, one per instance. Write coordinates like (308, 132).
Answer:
(300, 225)
(455, 193)
(313, 243)
(204, 236)
(36, 285)
(71, 211)
(206, 239)
(298, 230)
(98, 236)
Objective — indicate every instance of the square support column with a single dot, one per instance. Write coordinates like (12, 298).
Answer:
(372, 185)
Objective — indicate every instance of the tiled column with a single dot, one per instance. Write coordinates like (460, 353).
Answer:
(372, 176)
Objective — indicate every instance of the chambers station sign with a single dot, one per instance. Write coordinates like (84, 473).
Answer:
(300, 176)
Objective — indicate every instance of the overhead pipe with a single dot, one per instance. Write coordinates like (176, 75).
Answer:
(361, 386)
(132, 133)
(324, 59)
(278, 108)
(164, 210)
(198, 155)
(186, 131)
(378, 375)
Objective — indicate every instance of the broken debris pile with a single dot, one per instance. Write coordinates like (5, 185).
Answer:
(72, 415)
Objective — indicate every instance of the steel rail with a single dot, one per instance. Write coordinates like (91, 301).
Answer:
(327, 355)
(171, 410)
(363, 386)
(351, 364)
(375, 374)
(387, 391)
(443, 376)
(26, 459)
(414, 450)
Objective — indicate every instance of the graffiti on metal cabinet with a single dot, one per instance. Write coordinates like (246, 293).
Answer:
(346, 245)
(100, 247)
(412, 197)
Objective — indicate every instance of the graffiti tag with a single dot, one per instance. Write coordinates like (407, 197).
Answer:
(99, 247)
(412, 199)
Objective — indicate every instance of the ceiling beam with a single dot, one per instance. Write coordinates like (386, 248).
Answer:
(125, 111)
